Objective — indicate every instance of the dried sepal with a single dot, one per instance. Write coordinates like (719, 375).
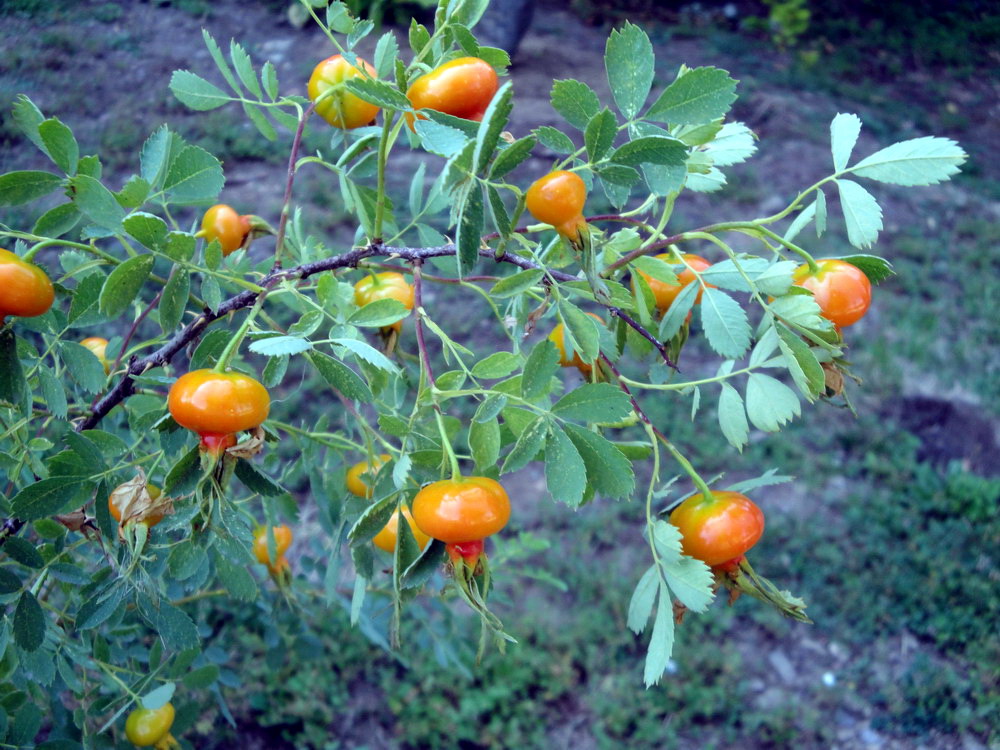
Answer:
(251, 446)
(135, 501)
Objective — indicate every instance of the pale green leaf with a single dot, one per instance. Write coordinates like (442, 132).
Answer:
(844, 132)
(196, 93)
(379, 93)
(734, 143)
(277, 346)
(148, 229)
(554, 139)
(439, 139)
(770, 403)
(800, 310)
(725, 323)
(661, 640)
(733, 417)
(367, 353)
(918, 161)
(640, 606)
(862, 214)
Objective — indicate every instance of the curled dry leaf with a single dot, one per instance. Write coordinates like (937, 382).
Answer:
(834, 379)
(533, 316)
(249, 447)
(389, 336)
(679, 611)
(77, 521)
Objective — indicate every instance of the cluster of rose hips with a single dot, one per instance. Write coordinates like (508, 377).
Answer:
(462, 511)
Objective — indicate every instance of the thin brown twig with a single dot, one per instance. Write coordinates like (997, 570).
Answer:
(418, 299)
(135, 326)
(640, 251)
(641, 330)
(279, 241)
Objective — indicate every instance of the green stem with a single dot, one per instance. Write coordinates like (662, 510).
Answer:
(650, 492)
(234, 343)
(329, 439)
(48, 242)
(388, 135)
(668, 210)
(118, 681)
(795, 203)
(689, 383)
(456, 472)
(813, 267)
(700, 483)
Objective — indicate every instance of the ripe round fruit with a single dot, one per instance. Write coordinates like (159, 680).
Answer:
(664, 293)
(720, 528)
(282, 541)
(145, 726)
(222, 223)
(558, 199)
(558, 337)
(386, 285)
(462, 88)
(841, 290)
(461, 510)
(355, 483)
(218, 403)
(25, 290)
(150, 520)
(98, 347)
(386, 538)
(341, 108)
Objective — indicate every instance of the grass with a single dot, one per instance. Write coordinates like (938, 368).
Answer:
(895, 556)
(918, 565)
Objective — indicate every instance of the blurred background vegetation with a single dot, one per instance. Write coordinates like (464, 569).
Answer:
(891, 528)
